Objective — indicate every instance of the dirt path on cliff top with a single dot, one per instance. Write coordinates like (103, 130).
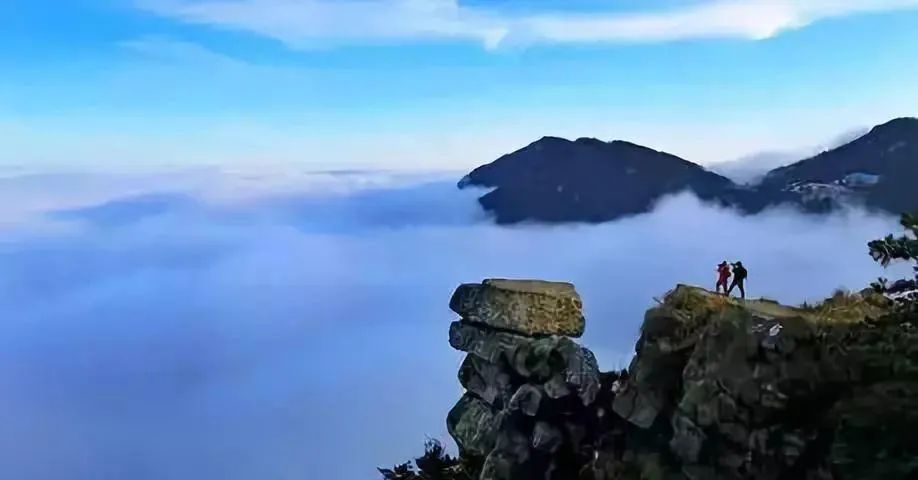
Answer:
(844, 307)
(852, 310)
(760, 306)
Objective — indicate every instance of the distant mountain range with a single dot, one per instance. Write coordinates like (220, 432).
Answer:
(587, 180)
(751, 169)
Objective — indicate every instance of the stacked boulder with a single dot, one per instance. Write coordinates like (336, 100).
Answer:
(530, 388)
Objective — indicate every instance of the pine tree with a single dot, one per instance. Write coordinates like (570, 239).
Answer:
(904, 247)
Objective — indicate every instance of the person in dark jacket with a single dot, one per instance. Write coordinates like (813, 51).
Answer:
(739, 279)
(723, 277)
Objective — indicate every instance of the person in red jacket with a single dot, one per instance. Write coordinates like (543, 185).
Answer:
(723, 276)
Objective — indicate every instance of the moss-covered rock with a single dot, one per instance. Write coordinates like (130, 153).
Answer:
(530, 307)
(760, 390)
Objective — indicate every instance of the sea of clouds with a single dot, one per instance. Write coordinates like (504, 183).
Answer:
(223, 325)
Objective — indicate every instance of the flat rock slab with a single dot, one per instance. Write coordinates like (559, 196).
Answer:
(530, 307)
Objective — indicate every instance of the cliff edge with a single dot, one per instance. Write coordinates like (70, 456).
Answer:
(718, 389)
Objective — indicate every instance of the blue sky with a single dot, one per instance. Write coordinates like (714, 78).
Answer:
(436, 84)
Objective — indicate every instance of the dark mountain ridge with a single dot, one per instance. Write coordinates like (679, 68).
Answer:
(587, 180)
(556, 180)
(879, 169)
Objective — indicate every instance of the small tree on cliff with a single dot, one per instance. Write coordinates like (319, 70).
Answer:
(893, 248)
(436, 464)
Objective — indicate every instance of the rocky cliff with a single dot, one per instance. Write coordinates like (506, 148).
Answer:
(718, 389)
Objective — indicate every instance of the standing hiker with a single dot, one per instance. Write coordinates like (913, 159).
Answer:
(739, 279)
(723, 276)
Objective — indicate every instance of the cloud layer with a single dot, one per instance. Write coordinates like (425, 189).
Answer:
(169, 330)
(320, 23)
(751, 169)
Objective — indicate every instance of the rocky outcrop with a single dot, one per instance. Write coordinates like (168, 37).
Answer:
(529, 307)
(759, 390)
(718, 389)
(763, 391)
(529, 387)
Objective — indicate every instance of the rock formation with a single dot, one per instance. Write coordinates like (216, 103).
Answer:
(529, 386)
(763, 391)
(718, 389)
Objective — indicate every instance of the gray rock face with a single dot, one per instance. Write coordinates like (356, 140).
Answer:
(749, 389)
(582, 370)
(718, 389)
(521, 373)
(474, 425)
(530, 307)
(486, 381)
(527, 399)
(547, 437)
(637, 407)
(556, 387)
(489, 345)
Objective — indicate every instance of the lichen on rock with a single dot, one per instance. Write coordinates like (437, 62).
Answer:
(760, 390)
(526, 379)
(529, 307)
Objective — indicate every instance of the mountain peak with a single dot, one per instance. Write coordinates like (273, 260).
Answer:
(901, 121)
(878, 169)
(591, 180)
(896, 126)
(587, 180)
(548, 139)
(590, 141)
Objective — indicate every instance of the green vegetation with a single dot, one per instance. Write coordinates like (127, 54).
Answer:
(435, 464)
(902, 248)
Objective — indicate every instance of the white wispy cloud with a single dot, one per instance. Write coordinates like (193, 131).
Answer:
(179, 51)
(315, 23)
(320, 23)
